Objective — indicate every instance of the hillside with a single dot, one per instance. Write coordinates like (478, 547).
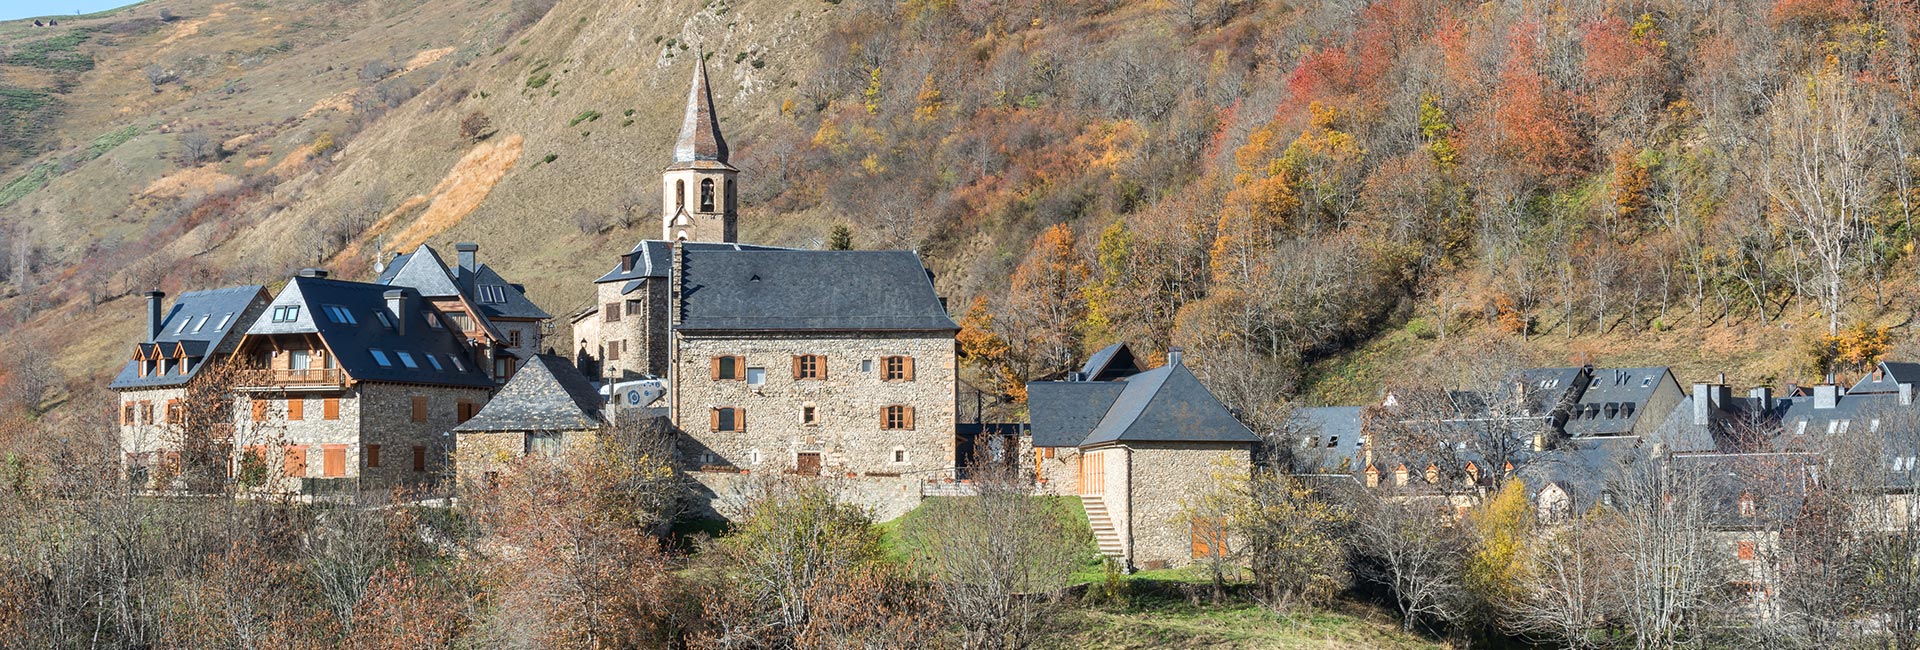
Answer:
(1305, 195)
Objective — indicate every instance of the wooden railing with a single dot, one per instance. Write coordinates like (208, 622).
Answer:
(307, 377)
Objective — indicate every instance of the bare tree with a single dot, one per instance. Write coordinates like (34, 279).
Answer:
(30, 378)
(195, 147)
(1572, 573)
(1823, 175)
(1415, 550)
(1676, 571)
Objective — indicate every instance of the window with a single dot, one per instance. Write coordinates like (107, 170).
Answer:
(728, 418)
(330, 409)
(1800, 429)
(866, 365)
(543, 443)
(406, 359)
(613, 350)
(1746, 550)
(810, 366)
(896, 418)
(899, 456)
(456, 363)
(296, 408)
(385, 319)
(126, 417)
(433, 321)
(333, 460)
(259, 409)
(1333, 441)
(200, 323)
(1747, 506)
(611, 311)
(513, 338)
(808, 415)
(1832, 426)
(753, 457)
(460, 320)
(419, 459)
(299, 360)
(1874, 426)
(339, 314)
(503, 367)
(286, 313)
(228, 318)
(295, 462)
(679, 195)
(184, 321)
(756, 376)
(634, 307)
(729, 368)
(897, 369)
(419, 408)
(465, 410)
(706, 195)
(173, 411)
(380, 357)
(493, 294)
(433, 361)
(373, 455)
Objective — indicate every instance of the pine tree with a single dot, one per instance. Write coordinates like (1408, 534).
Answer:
(841, 239)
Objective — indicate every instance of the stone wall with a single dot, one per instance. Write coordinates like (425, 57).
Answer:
(887, 498)
(847, 431)
(641, 330)
(1162, 476)
(1059, 475)
(370, 414)
(149, 435)
(480, 453)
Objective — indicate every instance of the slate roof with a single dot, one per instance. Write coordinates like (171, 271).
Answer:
(351, 343)
(653, 258)
(1615, 399)
(547, 394)
(213, 321)
(700, 145)
(1110, 363)
(1891, 374)
(773, 290)
(1064, 412)
(1339, 425)
(428, 273)
(1168, 404)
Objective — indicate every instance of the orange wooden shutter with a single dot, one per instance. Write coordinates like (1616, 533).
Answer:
(330, 409)
(333, 460)
(713, 419)
(259, 410)
(296, 461)
(909, 364)
(373, 455)
(419, 408)
(908, 416)
(739, 419)
(796, 366)
(296, 408)
(819, 366)
(419, 459)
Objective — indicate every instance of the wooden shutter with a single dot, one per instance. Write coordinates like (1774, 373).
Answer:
(419, 408)
(373, 455)
(715, 363)
(909, 364)
(296, 408)
(739, 419)
(713, 419)
(296, 461)
(419, 459)
(333, 460)
(819, 366)
(796, 366)
(907, 417)
(330, 409)
(259, 410)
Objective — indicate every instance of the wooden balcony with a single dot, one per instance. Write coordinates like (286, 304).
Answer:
(307, 378)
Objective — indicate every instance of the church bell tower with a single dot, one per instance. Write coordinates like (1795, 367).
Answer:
(699, 199)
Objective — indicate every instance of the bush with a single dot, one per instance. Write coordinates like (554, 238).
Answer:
(476, 126)
(1421, 328)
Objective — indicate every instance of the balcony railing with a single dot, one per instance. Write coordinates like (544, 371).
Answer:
(309, 378)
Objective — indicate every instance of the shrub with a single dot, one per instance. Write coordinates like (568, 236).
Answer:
(476, 126)
(1422, 329)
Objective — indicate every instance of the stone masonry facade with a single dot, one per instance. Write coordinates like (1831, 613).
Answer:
(145, 432)
(1146, 485)
(639, 329)
(847, 430)
(371, 419)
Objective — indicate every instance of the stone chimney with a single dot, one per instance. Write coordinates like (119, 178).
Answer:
(153, 313)
(311, 272)
(1708, 400)
(397, 306)
(1906, 393)
(1761, 396)
(1826, 396)
(1173, 356)
(469, 255)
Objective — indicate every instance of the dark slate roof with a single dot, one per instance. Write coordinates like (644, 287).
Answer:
(1615, 399)
(700, 144)
(427, 273)
(1338, 425)
(351, 343)
(513, 303)
(1541, 390)
(1888, 378)
(1168, 404)
(1112, 362)
(547, 394)
(653, 258)
(202, 313)
(1064, 412)
(752, 290)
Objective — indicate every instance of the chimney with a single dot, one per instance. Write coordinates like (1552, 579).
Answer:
(467, 252)
(1173, 356)
(1703, 404)
(1906, 393)
(1826, 396)
(1762, 396)
(397, 305)
(153, 313)
(311, 272)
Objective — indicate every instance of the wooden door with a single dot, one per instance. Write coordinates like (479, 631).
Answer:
(1093, 474)
(809, 464)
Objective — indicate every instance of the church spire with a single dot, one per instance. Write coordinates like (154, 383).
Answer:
(700, 144)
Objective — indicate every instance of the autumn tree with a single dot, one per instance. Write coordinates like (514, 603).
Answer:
(1046, 308)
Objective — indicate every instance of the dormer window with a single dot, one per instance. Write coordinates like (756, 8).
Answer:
(1747, 506)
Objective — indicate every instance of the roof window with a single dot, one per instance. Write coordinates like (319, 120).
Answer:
(228, 318)
(380, 357)
(182, 329)
(406, 359)
(200, 323)
(286, 313)
(433, 361)
(493, 294)
(339, 314)
(384, 318)
(456, 363)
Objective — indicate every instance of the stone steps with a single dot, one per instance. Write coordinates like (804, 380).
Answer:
(1104, 534)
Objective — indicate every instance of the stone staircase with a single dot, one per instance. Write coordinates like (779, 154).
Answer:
(1103, 532)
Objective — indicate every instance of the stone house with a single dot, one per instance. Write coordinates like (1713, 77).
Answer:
(197, 333)
(546, 409)
(1147, 444)
(361, 386)
(502, 326)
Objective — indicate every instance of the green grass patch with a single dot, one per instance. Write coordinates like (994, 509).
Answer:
(54, 53)
(539, 80)
(584, 116)
(36, 177)
(105, 143)
(1167, 618)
